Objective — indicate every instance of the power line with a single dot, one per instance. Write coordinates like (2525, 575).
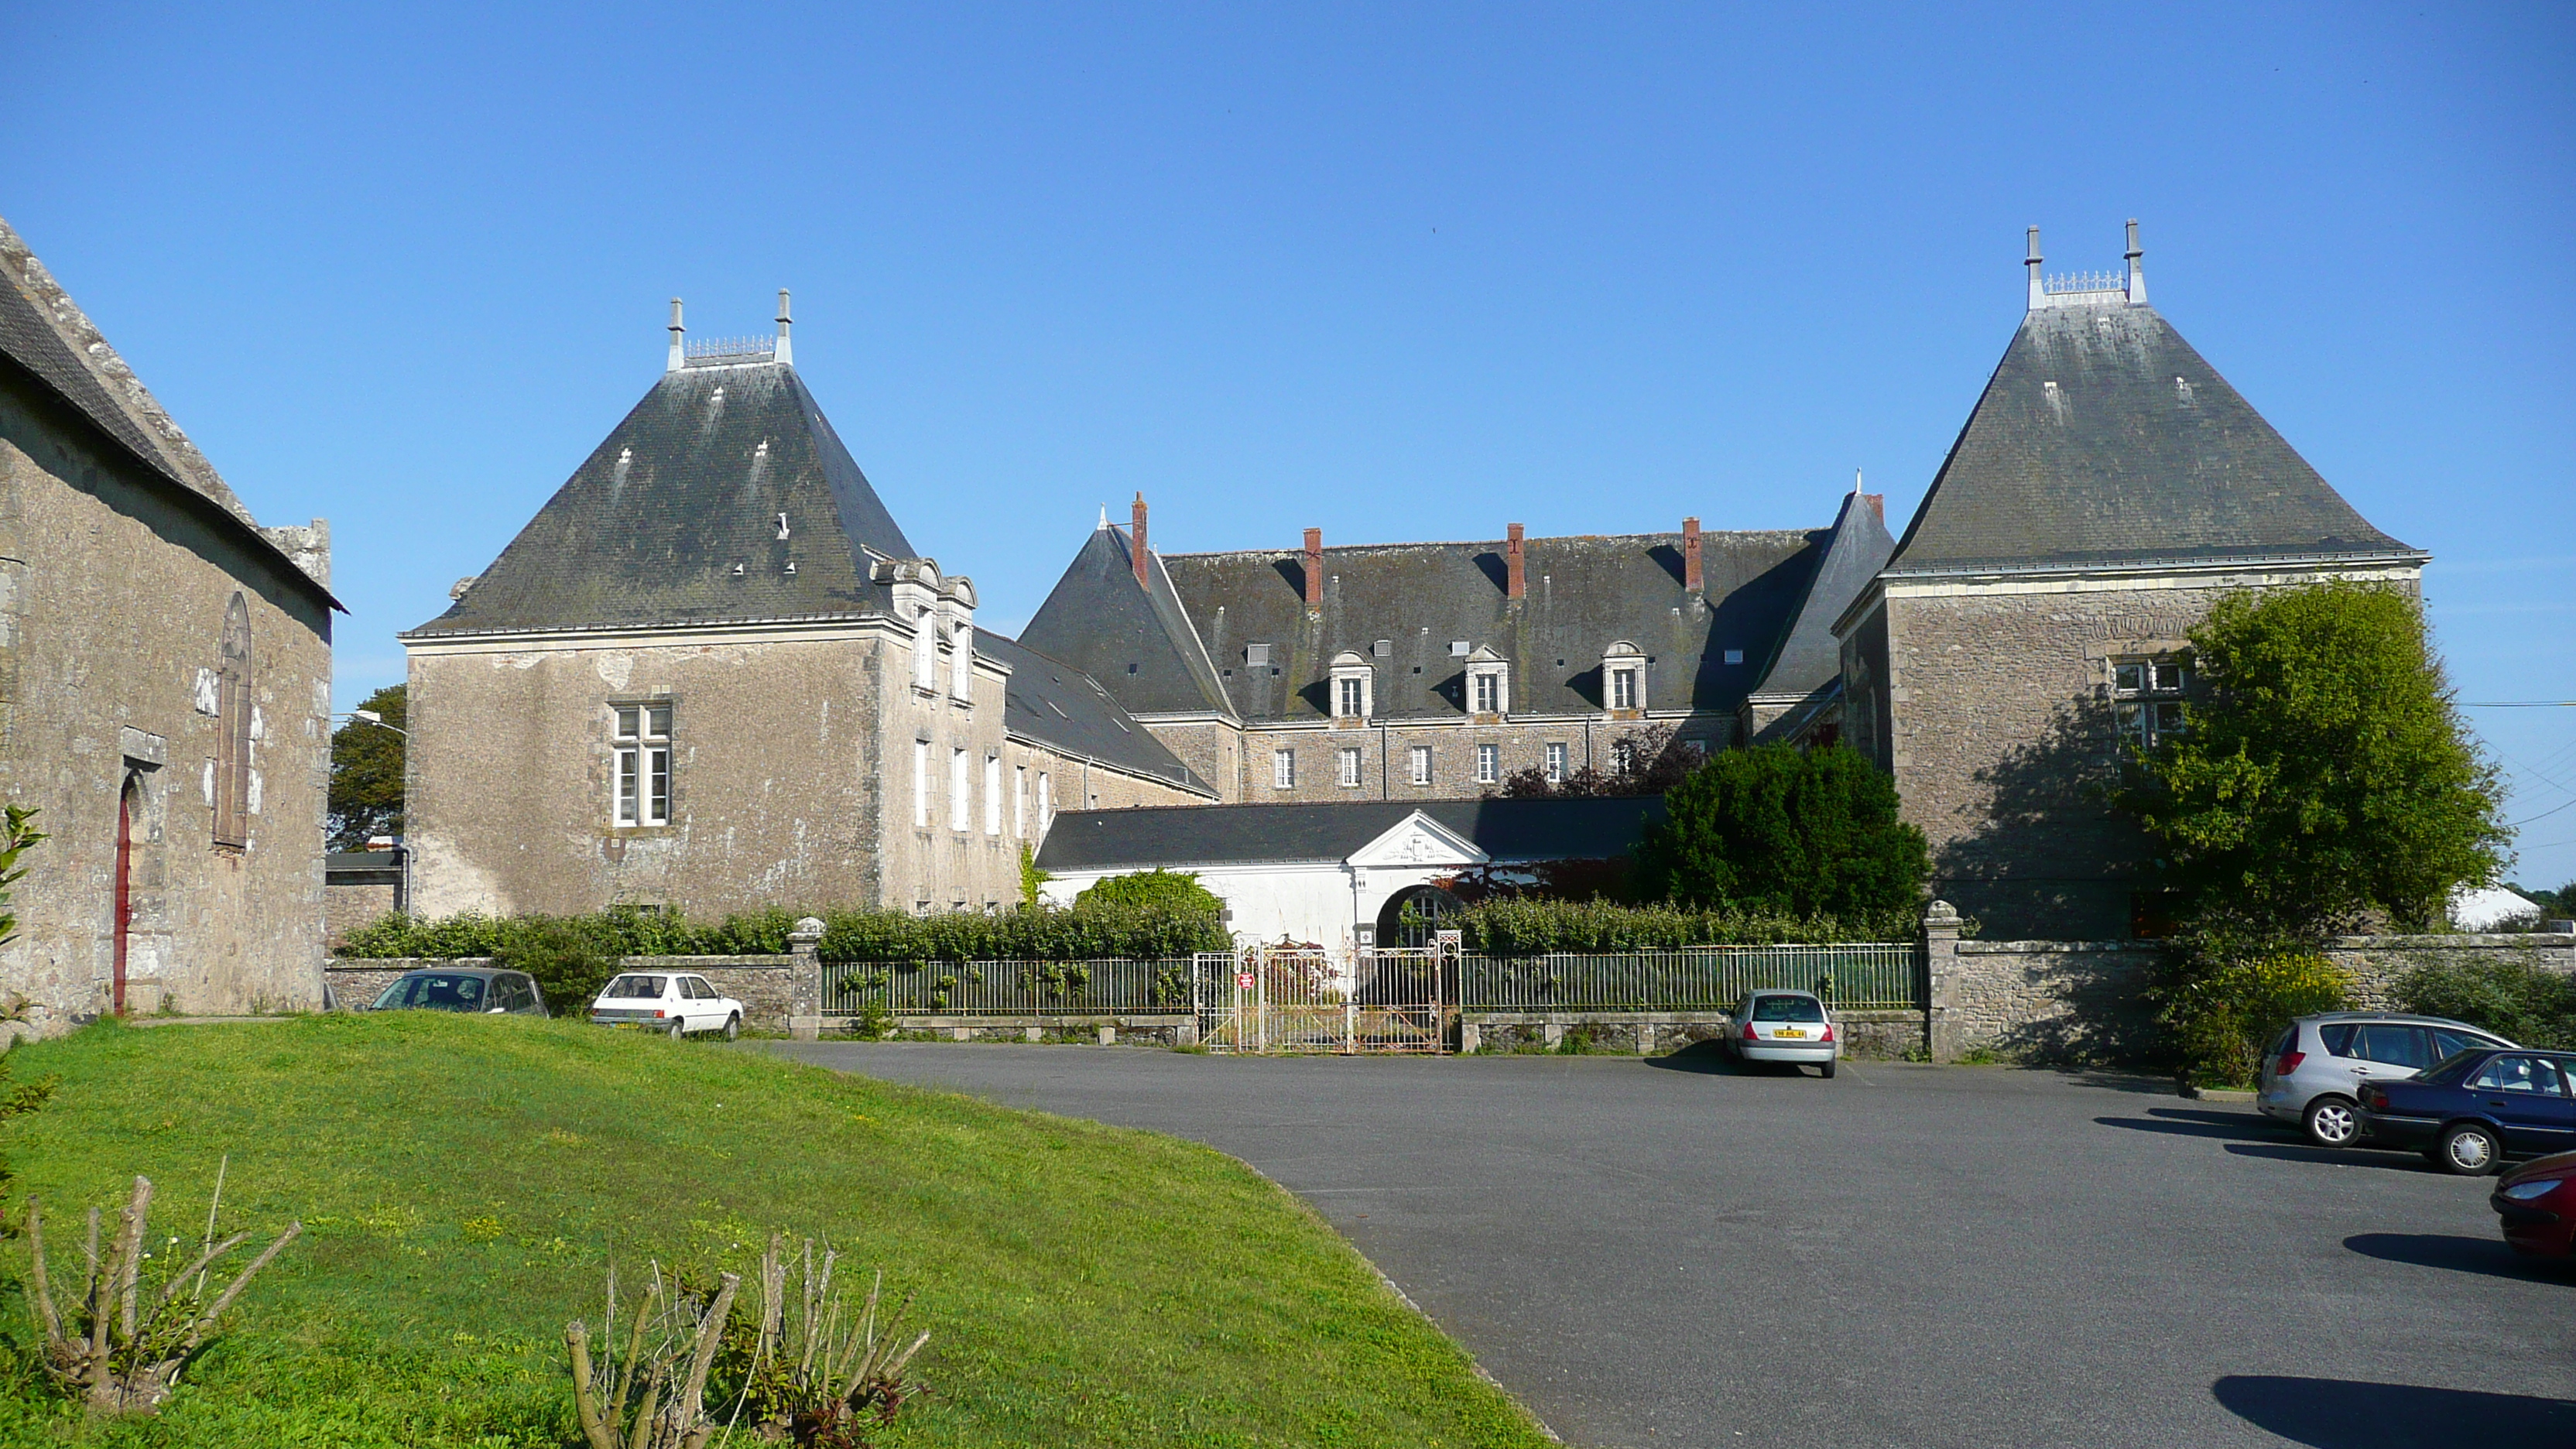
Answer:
(2518, 704)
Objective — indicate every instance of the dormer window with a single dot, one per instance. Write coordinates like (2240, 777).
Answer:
(925, 652)
(1489, 684)
(1352, 686)
(1623, 678)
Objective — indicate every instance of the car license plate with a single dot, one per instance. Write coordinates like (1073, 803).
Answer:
(1789, 1031)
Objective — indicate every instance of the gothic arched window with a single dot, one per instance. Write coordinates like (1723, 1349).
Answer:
(232, 740)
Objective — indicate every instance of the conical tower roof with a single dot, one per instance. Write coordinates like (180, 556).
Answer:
(724, 496)
(2103, 438)
(1136, 639)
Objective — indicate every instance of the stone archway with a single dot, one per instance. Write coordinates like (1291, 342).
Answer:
(1411, 915)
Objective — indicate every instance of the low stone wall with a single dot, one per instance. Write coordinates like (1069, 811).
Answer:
(1880, 1035)
(765, 985)
(2084, 1002)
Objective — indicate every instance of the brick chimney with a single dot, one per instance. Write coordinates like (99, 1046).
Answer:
(1314, 568)
(1877, 504)
(1692, 578)
(1136, 542)
(1515, 568)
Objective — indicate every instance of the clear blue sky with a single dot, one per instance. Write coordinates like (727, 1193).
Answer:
(1398, 272)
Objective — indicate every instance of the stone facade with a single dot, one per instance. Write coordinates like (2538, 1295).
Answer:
(1386, 752)
(161, 659)
(1992, 704)
(795, 756)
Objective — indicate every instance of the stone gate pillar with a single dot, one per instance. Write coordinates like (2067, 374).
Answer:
(805, 979)
(1940, 960)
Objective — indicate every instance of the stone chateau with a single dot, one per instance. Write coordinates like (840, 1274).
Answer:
(712, 671)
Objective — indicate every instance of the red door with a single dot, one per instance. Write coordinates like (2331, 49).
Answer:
(124, 890)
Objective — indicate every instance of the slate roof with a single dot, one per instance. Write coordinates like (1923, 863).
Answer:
(1807, 657)
(1208, 835)
(650, 528)
(1584, 593)
(1059, 707)
(50, 343)
(1137, 642)
(2103, 438)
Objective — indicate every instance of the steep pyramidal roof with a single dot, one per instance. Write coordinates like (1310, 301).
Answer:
(1808, 657)
(1138, 642)
(677, 518)
(2103, 438)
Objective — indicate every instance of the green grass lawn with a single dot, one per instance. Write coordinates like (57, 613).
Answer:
(464, 1182)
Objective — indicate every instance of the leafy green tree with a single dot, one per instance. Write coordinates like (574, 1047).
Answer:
(2323, 775)
(1171, 890)
(367, 773)
(1779, 829)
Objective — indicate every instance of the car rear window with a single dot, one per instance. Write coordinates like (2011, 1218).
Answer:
(646, 987)
(2395, 1045)
(2338, 1037)
(434, 991)
(1787, 1008)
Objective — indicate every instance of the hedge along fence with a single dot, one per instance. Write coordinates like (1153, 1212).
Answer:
(1545, 928)
(1030, 933)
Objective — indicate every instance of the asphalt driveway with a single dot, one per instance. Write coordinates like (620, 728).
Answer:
(1669, 1252)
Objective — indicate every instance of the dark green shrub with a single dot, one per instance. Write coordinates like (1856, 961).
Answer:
(1787, 831)
(1088, 932)
(1172, 890)
(568, 964)
(2516, 999)
(1525, 927)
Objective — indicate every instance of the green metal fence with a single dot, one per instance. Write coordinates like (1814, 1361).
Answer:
(1859, 976)
(1124, 987)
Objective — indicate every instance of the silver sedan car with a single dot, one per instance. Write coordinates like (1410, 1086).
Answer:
(1783, 1026)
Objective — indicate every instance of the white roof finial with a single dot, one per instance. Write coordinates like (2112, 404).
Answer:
(2038, 291)
(679, 359)
(2137, 268)
(1855, 480)
(784, 352)
(1104, 519)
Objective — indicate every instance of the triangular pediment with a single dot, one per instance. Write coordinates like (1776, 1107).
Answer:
(1418, 839)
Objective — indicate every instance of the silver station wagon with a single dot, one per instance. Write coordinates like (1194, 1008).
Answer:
(2314, 1074)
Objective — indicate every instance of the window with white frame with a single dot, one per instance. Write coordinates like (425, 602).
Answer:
(1046, 802)
(961, 660)
(992, 794)
(1489, 764)
(1623, 688)
(1623, 756)
(961, 805)
(1556, 762)
(1283, 769)
(643, 770)
(925, 652)
(1421, 762)
(2149, 694)
(1488, 693)
(1347, 768)
(1020, 803)
(1350, 698)
(921, 784)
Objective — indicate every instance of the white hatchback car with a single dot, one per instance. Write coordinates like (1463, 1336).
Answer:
(1784, 1026)
(676, 1003)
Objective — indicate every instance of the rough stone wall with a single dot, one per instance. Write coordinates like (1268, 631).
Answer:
(1212, 748)
(763, 984)
(775, 780)
(2001, 722)
(2070, 1002)
(113, 599)
(2083, 1002)
(345, 908)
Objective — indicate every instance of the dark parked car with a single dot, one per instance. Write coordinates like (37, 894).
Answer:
(464, 988)
(2476, 1108)
(2538, 1204)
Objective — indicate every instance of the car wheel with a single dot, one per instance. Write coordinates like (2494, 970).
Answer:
(679, 1028)
(2331, 1122)
(1829, 1071)
(2469, 1150)
(733, 1027)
